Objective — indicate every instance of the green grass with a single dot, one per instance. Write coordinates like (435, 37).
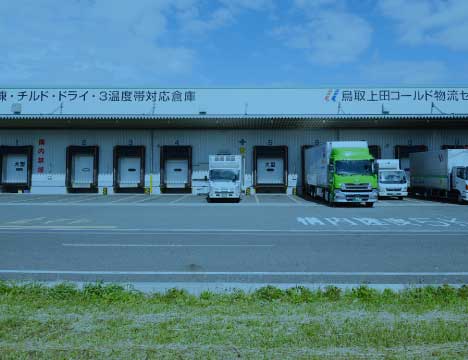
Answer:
(113, 322)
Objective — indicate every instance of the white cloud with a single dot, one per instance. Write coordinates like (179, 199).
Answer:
(87, 42)
(192, 21)
(329, 37)
(406, 73)
(421, 22)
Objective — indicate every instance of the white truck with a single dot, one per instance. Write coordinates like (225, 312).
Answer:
(442, 174)
(224, 177)
(392, 180)
(341, 172)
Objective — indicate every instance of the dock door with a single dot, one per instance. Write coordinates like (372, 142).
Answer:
(15, 168)
(129, 169)
(82, 168)
(270, 168)
(176, 169)
(402, 153)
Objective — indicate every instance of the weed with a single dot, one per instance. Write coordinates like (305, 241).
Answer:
(269, 293)
(332, 293)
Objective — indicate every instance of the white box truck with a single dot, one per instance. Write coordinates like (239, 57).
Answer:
(341, 172)
(392, 180)
(442, 174)
(224, 177)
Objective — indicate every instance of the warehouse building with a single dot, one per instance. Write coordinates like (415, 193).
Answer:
(55, 141)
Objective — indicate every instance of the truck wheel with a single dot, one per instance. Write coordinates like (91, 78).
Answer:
(400, 197)
(208, 199)
(369, 204)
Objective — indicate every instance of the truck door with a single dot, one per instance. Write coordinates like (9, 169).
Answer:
(129, 168)
(15, 167)
(82, 168)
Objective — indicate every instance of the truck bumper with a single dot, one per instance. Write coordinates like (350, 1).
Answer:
(356, 197)
(393, 193)
(223, 195)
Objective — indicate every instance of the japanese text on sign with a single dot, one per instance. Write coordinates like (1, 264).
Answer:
(100, 95)
(372, 95)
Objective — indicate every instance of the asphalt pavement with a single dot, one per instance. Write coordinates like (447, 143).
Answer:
(181, 240)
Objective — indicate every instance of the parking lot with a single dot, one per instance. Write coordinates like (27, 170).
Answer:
(266, 238)
(192, 200)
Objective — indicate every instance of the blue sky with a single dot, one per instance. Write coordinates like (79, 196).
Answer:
(233, 43)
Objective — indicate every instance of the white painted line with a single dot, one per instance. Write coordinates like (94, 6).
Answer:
(179, 199)
(123, 198)
(345, 232)
(26, 199)
(91, 198)
(58, 227)
(146, 198)
(239, 273)
(166, 245)
(25, 221)
(256, 199)
(293, 199)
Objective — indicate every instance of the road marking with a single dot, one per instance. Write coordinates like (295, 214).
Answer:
(123, 198)
(256, 199)
(350, 232)
(25, 221)
(293, 199)
(179, 199)
(147, 198)
(57, 227)
(245, 273)
(167, 245)
(94, 197)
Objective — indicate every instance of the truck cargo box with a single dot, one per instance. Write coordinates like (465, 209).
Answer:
(432, 169)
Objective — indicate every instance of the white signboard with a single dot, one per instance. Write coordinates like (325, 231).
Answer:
(192, 101)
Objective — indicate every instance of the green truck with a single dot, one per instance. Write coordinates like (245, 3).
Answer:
(341, 172)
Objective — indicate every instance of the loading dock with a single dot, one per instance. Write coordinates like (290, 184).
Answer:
(176, 169)
(402, 152)
(82, 169)
(129, 169)
(270, 168)
(375, 151)
(15, 168)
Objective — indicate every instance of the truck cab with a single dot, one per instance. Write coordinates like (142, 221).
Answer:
(352, 175)
(224, 177)
(460, 182)
(393, 181)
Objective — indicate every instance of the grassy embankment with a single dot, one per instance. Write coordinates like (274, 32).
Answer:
(112, 322)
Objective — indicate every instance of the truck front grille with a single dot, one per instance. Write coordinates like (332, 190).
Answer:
(357, 187)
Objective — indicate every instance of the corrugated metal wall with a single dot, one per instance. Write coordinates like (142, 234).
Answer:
(207, 142)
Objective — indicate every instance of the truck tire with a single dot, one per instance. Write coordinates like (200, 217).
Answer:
(208, 199)
(400, 197)
(369, 204)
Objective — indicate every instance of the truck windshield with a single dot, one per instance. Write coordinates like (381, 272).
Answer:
(224, 175)
(353, 167)
(392, 177)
